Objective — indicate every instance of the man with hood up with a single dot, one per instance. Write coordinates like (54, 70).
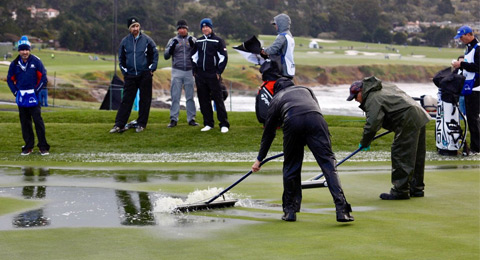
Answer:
(283, 45)
(387, 106)
(297, 108)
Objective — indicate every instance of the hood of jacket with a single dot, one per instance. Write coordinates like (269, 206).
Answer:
(283, 22)
(282, 83)
(370, 84)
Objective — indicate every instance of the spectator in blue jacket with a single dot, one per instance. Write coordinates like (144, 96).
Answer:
(138, 58)
(26, 77)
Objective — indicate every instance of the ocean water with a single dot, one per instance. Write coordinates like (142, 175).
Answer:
(332, 99)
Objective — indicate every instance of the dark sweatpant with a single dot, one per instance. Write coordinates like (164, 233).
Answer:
(208, 88)
(472, 107)
(408, 160)
(26, 116)
(132, 84)
(312, 130)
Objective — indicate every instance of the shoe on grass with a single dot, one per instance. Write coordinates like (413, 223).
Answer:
(192, 123)
(173, 123)
(139, 129)
(290, 216)
(44, 152)
(224, 129)
(417, 193)
(391, 196)
(206, 128)
(117, 129)
(26, 152)
(343, 213)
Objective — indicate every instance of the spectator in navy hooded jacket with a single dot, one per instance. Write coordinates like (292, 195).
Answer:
(26, 77)
(138, 58)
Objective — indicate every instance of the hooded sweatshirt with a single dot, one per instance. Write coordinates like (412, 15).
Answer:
(389, 107)
(283, 45)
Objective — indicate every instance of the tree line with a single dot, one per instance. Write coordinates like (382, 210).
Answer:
(88, 25)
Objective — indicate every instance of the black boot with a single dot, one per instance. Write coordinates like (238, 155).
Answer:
(395, 195)
(343, 213)
(289, 216)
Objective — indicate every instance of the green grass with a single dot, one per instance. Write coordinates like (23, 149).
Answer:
(86, 130)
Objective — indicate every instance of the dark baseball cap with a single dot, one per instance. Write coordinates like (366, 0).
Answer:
(355, 88)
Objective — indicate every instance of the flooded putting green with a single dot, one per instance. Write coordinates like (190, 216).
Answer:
(72, 200)
(116, 198)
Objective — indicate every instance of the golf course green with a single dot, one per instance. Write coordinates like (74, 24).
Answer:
(445, 224)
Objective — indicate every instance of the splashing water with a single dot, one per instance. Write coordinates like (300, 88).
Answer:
(168, 204)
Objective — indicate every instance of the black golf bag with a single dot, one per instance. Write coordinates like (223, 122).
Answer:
(449, 137)
(262, 100)
(270, 70)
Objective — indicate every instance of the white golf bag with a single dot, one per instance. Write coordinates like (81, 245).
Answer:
(448, 131)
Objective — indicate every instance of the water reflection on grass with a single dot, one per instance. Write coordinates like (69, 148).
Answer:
(69, 198)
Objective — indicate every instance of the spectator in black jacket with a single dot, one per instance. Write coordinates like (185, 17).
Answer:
(297, 109)
(138, 58)
(209, 56)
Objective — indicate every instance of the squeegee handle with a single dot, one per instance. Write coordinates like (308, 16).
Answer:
(352, 154)
(243, 178)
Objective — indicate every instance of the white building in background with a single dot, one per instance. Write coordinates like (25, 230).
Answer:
(313, 45)
(48, 13)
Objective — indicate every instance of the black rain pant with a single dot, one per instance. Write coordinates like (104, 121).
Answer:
(209, 88)
(309, 129)
(132, 84)
(26, 116)
(472, 107)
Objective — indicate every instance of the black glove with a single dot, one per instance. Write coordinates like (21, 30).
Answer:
(172, 46)
(190, 40)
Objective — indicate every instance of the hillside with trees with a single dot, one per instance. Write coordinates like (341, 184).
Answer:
(88, 25)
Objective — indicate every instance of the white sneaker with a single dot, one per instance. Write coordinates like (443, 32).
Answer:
(206, 128)
(224, 129)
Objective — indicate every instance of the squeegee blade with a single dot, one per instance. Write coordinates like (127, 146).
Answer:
(205, 206)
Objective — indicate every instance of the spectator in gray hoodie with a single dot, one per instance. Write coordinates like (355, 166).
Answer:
(179, 48)
(283, 46)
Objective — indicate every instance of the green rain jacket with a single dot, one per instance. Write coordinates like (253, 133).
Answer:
(389, 107)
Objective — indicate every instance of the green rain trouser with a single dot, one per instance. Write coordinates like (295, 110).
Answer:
(408, 160)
